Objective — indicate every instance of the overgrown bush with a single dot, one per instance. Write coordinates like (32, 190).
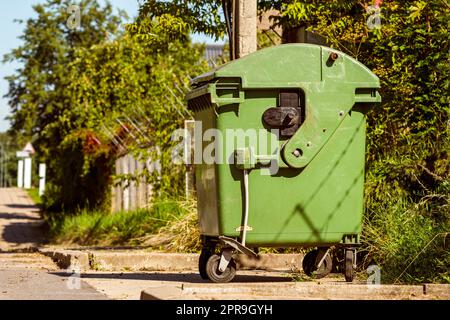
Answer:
(406, 243)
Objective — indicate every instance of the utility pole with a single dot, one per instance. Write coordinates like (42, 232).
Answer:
(244, 26)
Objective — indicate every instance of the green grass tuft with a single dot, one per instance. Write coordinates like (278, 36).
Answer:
(34, 195)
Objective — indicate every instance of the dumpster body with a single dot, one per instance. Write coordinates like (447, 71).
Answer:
(285, 131)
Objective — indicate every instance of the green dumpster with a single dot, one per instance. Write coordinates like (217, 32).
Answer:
(279, 156)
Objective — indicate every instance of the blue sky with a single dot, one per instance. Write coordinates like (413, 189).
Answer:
(10, 30)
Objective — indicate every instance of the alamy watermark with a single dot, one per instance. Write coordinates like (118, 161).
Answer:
(374, 20)
(74, 20)
(374, 279)
(74, 280)
(246, 147)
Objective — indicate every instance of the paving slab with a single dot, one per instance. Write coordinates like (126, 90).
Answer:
(129, 285)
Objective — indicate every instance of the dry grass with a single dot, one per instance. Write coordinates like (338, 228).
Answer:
(179, 235)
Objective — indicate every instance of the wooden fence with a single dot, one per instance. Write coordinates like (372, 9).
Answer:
(131, 195)
(138, 193)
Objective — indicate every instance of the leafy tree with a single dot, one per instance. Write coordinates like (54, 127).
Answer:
(8, 161)
(48, 46)
(80, 91)
(134, 90)
(37, 91)
(198, 16)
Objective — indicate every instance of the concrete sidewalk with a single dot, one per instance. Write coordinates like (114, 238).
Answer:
(31, 276)
(20, 222)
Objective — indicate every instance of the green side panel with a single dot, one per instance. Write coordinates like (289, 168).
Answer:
(318, 204)
(205, 176)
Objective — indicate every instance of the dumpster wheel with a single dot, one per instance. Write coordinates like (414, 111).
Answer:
(349, 262)
(213, 273)
(310, 262)
(206, 253)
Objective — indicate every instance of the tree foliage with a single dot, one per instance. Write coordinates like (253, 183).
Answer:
(197, 16)
(80, 91)
(38, 90)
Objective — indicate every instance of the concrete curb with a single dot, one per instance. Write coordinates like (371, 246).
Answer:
(139, 260)
(305, 288)
(442, 290)
(66, 259)
(295, 291)
(143, 261)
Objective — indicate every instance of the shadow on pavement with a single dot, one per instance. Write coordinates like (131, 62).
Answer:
(176, 277)
(21, 206)
(16, 216)
(23, 232)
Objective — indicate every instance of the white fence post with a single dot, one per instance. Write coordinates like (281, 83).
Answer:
(27, 173)
(42, 169)
(20, 174)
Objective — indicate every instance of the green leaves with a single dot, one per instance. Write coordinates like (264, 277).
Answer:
(195, 16)
(416, 10)
(159, 31)
(297, 11)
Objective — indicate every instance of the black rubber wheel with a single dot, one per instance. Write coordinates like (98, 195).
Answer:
(203, 260)
(213, 273)
(308, 262)
(349, 262)
(324, 269)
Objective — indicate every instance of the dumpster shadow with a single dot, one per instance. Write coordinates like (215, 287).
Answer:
(174, 277)
(300, 208)
(346, 193)
(315, 232)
